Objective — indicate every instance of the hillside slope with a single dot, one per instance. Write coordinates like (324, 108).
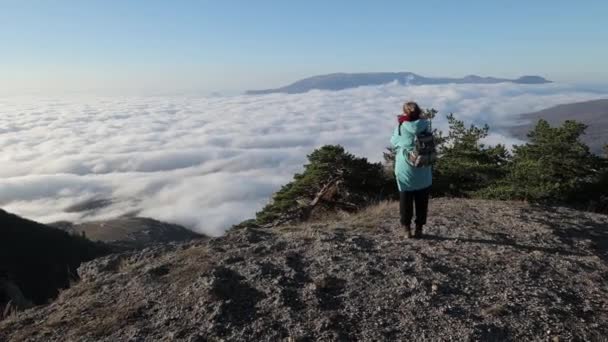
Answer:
(36, 260)
(592, 113)
(487, 271)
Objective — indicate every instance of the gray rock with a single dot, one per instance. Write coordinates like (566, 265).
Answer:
(485, 271)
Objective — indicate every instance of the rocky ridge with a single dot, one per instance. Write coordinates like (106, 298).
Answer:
(486, 271)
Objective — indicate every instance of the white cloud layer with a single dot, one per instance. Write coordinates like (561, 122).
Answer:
(209, 162)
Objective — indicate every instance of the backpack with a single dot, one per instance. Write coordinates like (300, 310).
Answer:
(424, 152)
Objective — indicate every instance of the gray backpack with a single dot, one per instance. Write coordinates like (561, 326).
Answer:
(424, 152)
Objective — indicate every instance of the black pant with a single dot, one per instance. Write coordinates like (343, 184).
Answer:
(406, 203)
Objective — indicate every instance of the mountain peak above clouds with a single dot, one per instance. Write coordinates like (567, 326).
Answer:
(340, 81)
(531, 79)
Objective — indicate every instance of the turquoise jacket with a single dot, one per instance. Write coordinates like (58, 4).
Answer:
(410, 178)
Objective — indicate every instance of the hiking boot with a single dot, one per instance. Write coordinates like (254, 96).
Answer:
(408, 231)
(418, 231)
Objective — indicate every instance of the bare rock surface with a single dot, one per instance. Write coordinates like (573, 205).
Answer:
(486, 271)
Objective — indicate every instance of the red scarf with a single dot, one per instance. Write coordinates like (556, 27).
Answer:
(404, 118)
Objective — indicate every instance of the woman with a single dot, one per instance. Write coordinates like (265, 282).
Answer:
(414, 183)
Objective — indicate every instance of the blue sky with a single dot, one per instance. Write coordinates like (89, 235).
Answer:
(175, 46)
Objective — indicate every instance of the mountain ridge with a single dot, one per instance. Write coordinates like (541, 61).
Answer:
(340, 81)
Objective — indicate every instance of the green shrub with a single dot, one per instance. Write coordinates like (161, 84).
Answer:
(592, 195)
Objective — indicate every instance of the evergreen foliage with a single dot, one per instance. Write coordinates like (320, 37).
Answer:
(359, 181)
(553, 166)
(466, 165)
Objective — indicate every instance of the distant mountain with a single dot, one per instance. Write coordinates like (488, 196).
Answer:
(339, 81)
(129, 232)
(592, 113)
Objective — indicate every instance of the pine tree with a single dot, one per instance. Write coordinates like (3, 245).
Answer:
(466, 165)
(554, 165)
(333, 179)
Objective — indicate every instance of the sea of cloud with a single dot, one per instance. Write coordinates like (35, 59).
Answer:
(210, 162)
